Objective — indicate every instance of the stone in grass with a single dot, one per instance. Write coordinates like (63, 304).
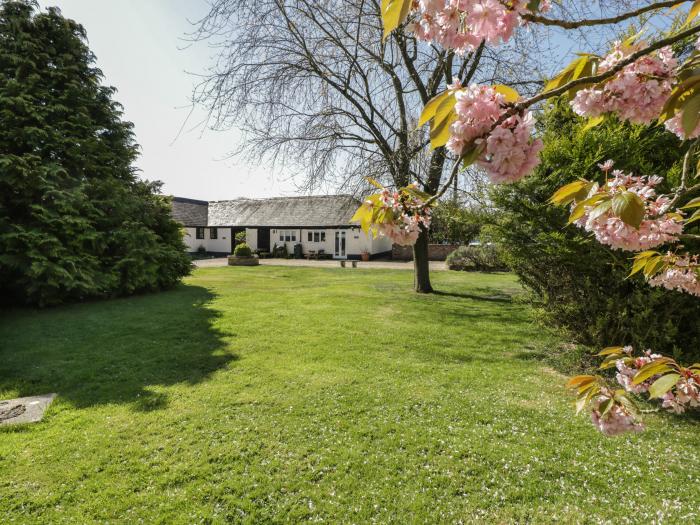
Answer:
(24, 409)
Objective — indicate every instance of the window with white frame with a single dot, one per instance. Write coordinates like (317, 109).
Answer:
(288, 235)
(319, 236)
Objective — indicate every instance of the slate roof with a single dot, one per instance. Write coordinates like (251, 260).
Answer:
(190, 212)
(313, 211)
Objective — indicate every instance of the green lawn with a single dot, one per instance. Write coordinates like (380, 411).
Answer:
(289, 394)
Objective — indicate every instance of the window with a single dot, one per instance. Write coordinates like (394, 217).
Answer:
(288, 235)
(317, 236)
(200, 233)
(213, 233)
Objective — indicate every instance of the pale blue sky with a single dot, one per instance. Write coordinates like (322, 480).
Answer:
(139, 47)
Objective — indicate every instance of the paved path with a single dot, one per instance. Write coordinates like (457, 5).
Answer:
(387, 265)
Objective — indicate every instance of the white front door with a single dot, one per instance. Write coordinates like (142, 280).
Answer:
(339, 252)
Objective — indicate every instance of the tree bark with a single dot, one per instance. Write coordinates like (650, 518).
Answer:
(421, 269)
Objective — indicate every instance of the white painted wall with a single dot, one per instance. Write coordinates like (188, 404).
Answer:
(251, 238)
(191, 241)
(356, 241)
(221, 244)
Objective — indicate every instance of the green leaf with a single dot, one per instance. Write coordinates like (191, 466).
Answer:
(577, 381)
(568, 193)
(693, 203)
(440, 125)
(374, 183)
(601, 209)
(394, 13)
(651, 369)
(691, 114)
(593, 122)
(432, 106)
(654, 265)
(605, 406)
(578, 212)
(611, 350)
(693, 218)
(663, 384)
(509, 93)
(628, 206)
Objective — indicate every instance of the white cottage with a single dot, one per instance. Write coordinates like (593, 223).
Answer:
(320, 224)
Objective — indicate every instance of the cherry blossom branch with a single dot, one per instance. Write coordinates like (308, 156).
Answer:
(566, 24)
(593, 79)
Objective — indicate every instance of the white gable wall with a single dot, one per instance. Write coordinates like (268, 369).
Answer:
(220, 245)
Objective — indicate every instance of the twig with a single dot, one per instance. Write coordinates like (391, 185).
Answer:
(566, 24)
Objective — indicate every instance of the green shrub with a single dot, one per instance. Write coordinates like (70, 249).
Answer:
(242, 250)
(481, 258)
(452, 223)
(241, 236)
(75, 221)
(577, 283)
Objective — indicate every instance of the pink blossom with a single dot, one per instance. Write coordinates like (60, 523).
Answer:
(657, 228)
(682, 275)
(617, 420)
(510, 151)
(637, 93)
(404, 217)
(463, 24)
(674, 125)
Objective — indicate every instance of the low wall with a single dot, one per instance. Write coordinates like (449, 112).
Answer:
(436, 252)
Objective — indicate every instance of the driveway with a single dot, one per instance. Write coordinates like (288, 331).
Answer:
(384, 265)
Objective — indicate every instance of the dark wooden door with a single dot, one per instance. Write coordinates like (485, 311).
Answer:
(264, 239)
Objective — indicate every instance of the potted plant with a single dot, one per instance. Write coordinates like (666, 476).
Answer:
(364, 255)
(243, 256)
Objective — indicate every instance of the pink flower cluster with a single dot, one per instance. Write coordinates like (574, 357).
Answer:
(403, 227)
(617, 420)
(463, 24)
(674, 126)
(684, 394)
(627, 370)
(657, 228)
(683, 274)
(509, 151)
(637, 93)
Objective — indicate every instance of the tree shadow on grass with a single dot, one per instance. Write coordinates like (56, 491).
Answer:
(496, 297)
(115, 351)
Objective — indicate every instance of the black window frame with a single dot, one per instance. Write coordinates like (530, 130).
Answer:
(199, 232)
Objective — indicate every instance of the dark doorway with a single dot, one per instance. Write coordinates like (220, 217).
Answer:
(234, 242)
(264, 239)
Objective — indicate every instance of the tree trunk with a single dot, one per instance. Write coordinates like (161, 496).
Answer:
(421, 269)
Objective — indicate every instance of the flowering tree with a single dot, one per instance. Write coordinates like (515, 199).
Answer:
(492, 125)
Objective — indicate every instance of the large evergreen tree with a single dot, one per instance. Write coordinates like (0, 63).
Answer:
(75, 221)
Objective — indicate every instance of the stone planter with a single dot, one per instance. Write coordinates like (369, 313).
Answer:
(234, 260)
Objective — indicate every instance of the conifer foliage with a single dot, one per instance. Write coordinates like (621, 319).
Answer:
(75, 220)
